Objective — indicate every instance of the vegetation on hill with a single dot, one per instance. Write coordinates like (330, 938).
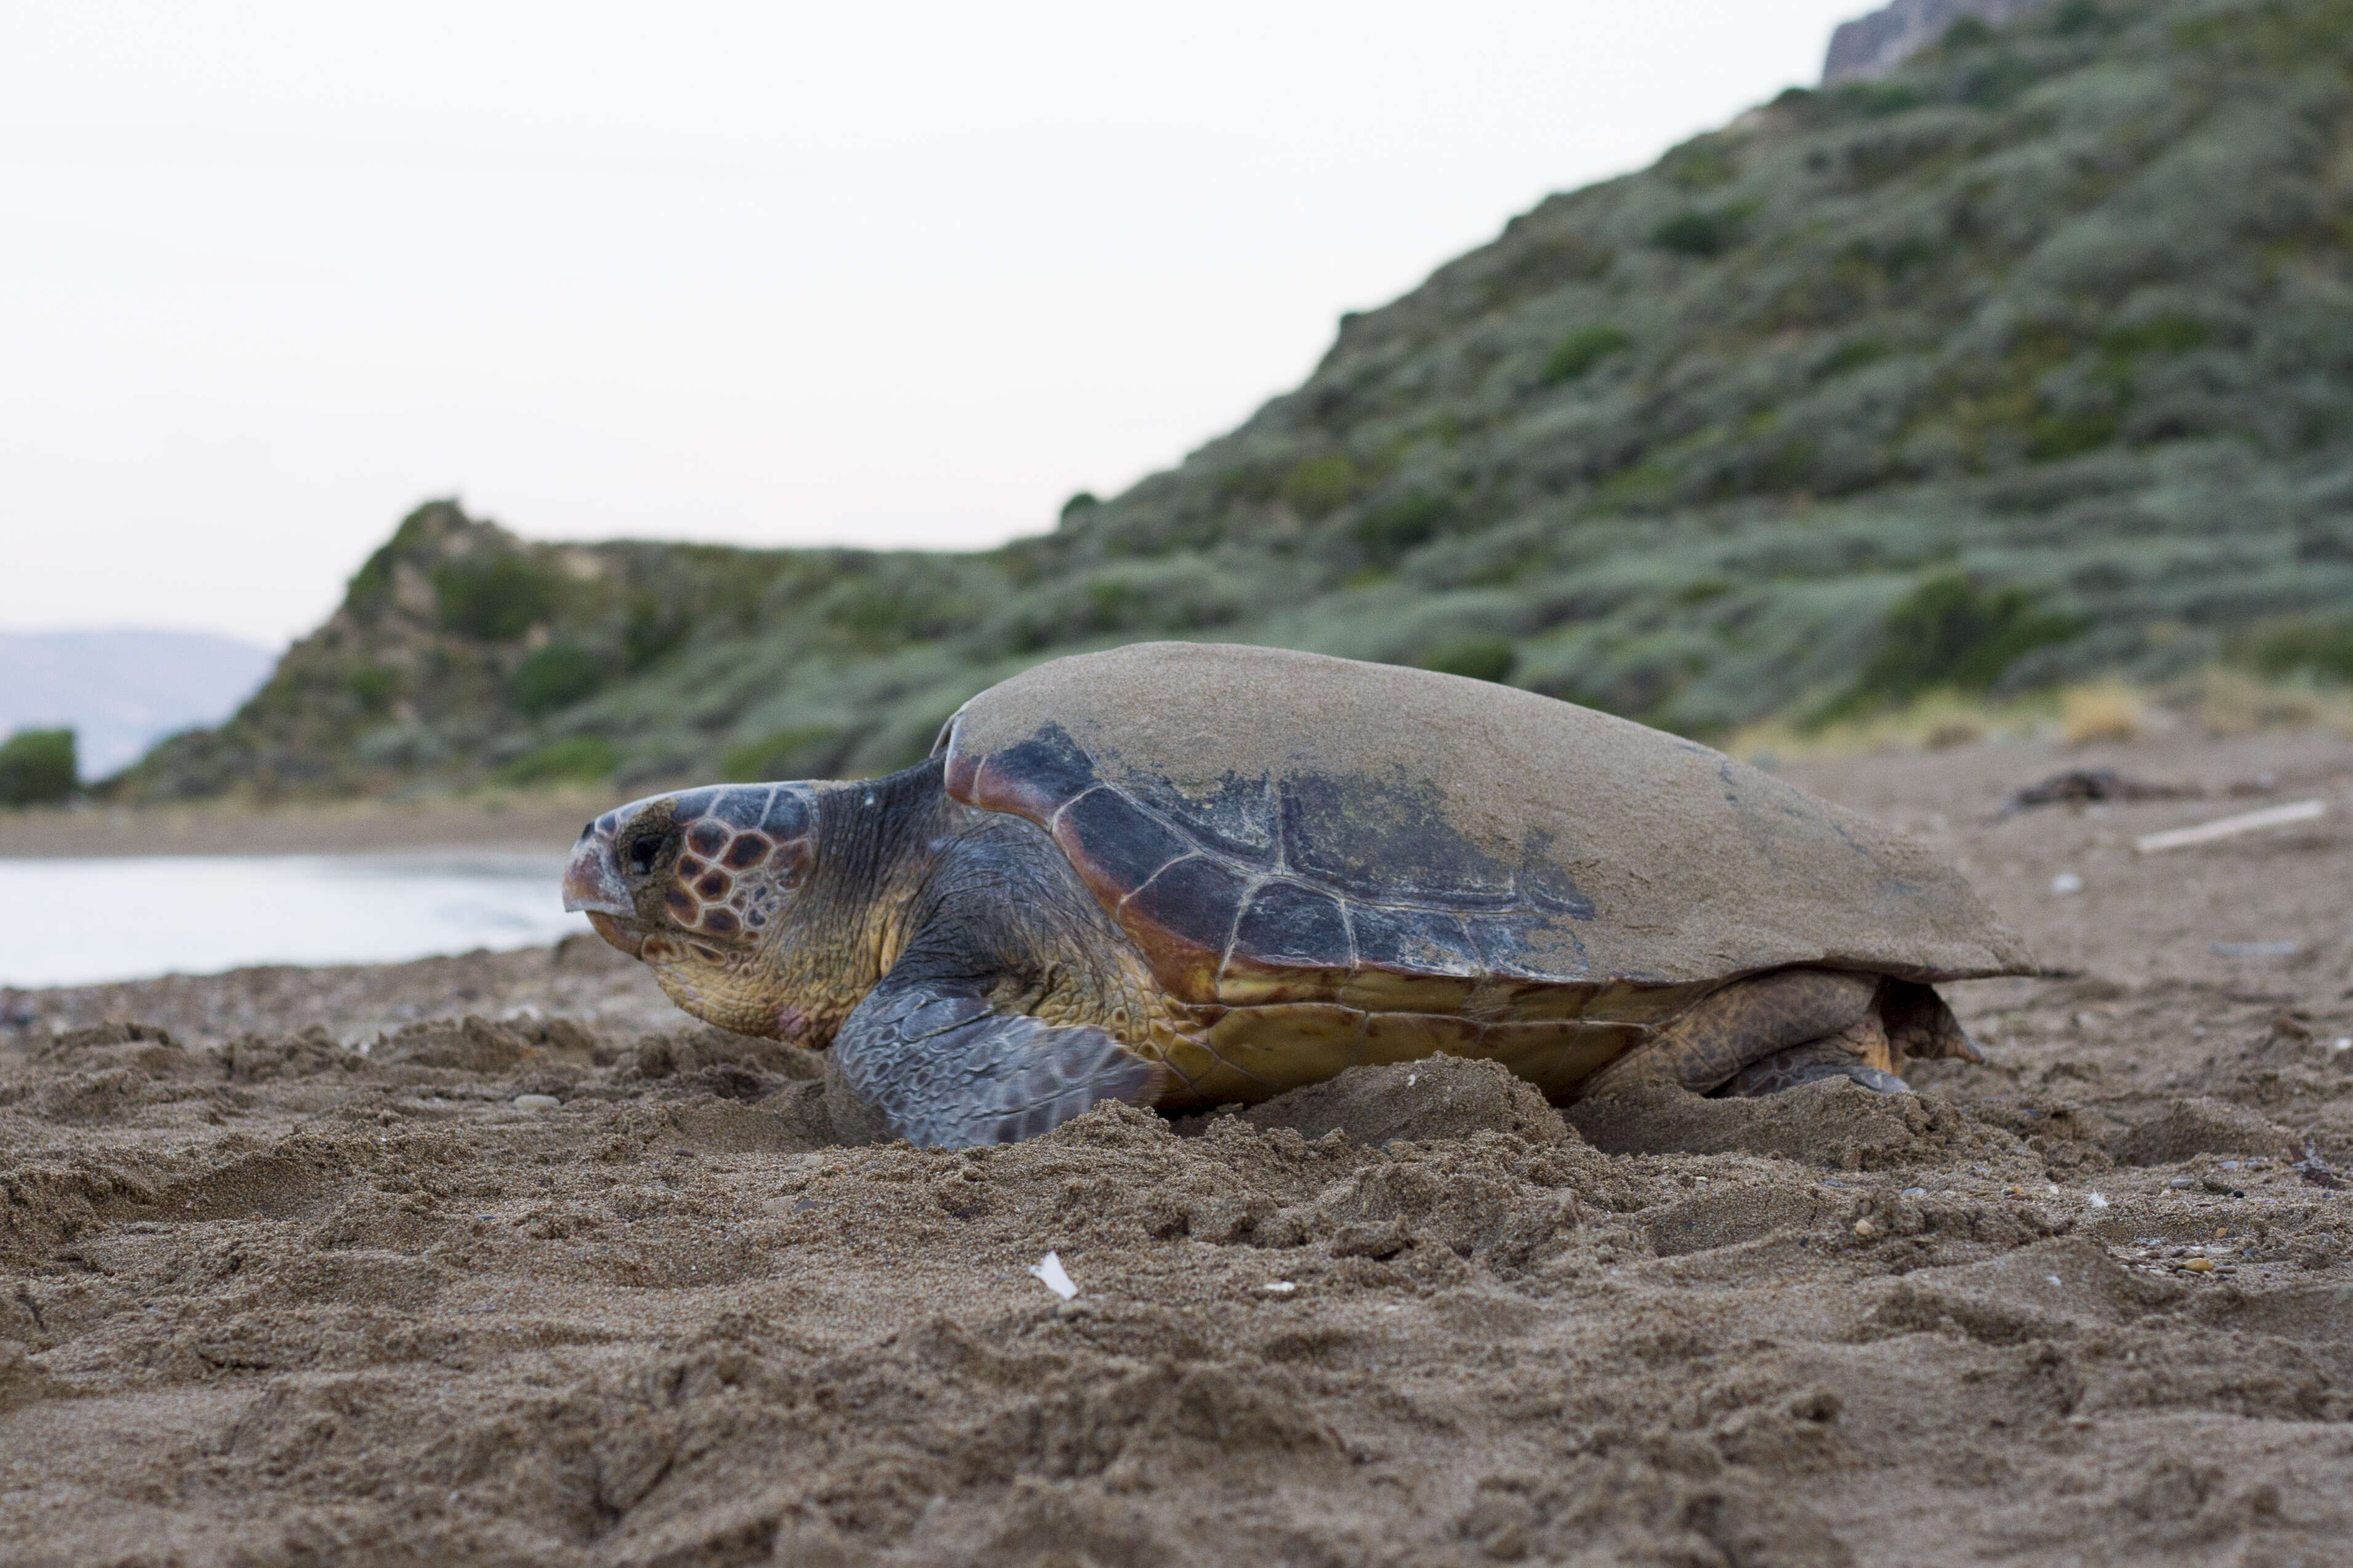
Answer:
(2031, 362)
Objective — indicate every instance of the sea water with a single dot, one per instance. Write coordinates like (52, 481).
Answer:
(68, 922)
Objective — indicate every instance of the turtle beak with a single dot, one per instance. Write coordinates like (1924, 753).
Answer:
(620, 936)
(593, 887)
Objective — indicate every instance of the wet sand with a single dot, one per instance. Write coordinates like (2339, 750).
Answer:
(266, 1300)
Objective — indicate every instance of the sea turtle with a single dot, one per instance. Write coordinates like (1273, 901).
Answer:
(1180, 874)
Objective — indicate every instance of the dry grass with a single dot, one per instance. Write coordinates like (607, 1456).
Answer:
(1932, 723)
(2219, 700)
(2232, 703)
(2109, 711)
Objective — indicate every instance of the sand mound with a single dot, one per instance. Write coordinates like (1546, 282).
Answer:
(1835, 1124)
(1444, 1096)
(2187, 1128)
(479, 1046)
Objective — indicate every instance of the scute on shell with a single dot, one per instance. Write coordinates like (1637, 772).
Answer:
(1279, 826)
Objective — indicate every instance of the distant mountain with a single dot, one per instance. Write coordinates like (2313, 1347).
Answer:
(2031, 362)
(1874, 44)
(122, 691)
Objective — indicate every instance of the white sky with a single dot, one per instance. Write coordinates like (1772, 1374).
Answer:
(271, 273)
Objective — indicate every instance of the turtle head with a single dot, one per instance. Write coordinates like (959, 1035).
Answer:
(701, 886)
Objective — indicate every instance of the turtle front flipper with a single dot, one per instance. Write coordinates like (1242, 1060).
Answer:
(948, 1072)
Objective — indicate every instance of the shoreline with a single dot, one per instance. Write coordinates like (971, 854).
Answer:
(528, 824)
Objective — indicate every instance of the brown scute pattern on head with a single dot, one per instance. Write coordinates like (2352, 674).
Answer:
(710, 890)
(1487, 847)
(780, 810)
(740, 848)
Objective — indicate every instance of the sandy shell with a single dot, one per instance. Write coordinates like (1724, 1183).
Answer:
(1275, 827)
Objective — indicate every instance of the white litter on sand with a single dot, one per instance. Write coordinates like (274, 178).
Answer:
(2229, 827)
(1051, 1273)
(2099, 1200)
(1279, 1287)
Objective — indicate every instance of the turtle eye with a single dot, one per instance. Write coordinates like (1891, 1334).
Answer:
(645, 850)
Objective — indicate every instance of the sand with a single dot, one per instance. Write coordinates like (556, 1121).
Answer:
(544, 822)
(580, 1282)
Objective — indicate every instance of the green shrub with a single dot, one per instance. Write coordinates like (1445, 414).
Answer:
(1177, 594)
(1085, 500)
(555, 677)
(494, 598)
(651, 627)
(1407, 524)
(1853, 357)
(1481, 658)
(372, 687)
(2075, 16)
(1638, 486)
(37, 767)
(1967, 32)
(1581, 350)
(2316, 649)
(2066, 434)
(1878, 99)
(1701, 164)
(1950, 632)
(1703, 232)
(1321, 484)
(580, 759)
(809, 752)
(2164, 335)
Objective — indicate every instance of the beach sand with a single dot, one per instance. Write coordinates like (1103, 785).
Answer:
(541, 823)
(266, 1300)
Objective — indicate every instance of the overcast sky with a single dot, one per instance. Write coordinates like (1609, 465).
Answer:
(271, 273)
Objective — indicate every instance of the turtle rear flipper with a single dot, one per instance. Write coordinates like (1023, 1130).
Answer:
(946, 1072)
(1794, 1024)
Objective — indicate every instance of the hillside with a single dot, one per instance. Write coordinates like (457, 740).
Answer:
(2028, 361)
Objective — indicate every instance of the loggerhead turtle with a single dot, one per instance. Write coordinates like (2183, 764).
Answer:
(1179, 874)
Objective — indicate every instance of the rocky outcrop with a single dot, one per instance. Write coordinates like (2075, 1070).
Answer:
(1874, 44)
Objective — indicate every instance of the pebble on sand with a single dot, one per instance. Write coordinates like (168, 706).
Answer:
(537, 1102)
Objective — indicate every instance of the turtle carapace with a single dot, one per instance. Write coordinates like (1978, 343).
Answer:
(1181, 874)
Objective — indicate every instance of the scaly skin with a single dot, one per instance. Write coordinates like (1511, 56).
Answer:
(822, 892)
